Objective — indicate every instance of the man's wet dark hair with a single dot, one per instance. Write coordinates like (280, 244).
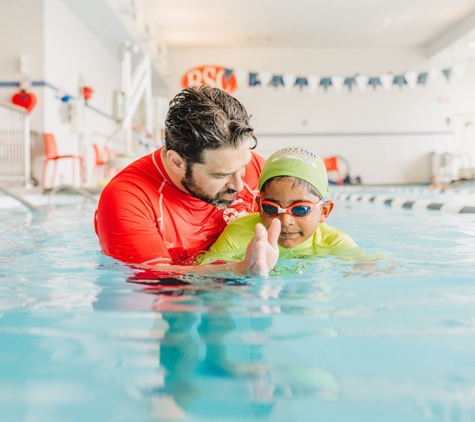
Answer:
(203, 118)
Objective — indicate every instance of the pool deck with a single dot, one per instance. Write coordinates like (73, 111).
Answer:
(35, 198)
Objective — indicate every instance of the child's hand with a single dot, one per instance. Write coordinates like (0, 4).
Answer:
(262, 252)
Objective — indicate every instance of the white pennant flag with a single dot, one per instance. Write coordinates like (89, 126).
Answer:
(386, 80)
(459, 71)
(313, 82)
(337, 82)
(411, 78)
(362, 82)
(241, 77)
(264, 78)
(434, 74)
(289, 81)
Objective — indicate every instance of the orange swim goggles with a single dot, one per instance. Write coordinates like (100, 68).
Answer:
(297, 209)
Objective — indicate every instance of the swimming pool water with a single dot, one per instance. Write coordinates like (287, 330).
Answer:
(394, 341)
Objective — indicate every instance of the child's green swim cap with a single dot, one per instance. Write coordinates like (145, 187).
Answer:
(297, 162)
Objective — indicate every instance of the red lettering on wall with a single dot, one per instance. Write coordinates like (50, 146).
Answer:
(214, 76)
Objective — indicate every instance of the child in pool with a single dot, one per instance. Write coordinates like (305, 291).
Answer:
(293, 188)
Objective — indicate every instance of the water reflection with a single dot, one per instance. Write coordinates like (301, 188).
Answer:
(319, 340)
(213, 355)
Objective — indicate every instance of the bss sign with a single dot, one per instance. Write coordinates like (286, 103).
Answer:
(214, 76)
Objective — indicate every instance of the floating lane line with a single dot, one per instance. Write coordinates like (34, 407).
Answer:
(452, 207)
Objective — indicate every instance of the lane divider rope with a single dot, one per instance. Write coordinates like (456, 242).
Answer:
(452, 207)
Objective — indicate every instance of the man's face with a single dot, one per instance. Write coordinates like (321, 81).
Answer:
(219, 179)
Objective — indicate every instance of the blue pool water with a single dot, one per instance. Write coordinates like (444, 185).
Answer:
(392, 341)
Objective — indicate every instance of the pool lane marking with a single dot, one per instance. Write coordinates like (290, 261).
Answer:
(460, 190)
(408, 204)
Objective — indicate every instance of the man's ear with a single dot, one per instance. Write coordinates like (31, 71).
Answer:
(176, 163)
(327, 208)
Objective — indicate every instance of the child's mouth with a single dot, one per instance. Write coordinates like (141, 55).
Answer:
(287, 235)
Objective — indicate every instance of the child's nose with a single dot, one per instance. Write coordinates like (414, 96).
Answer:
(286, 219)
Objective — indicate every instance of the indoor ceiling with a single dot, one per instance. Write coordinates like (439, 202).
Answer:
(433, 25)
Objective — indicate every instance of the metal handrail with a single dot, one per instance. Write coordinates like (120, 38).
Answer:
(14, 143)
(13, 107)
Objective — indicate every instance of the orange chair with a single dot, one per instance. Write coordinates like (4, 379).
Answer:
(51, 152)
(100, 163)
(331, 164)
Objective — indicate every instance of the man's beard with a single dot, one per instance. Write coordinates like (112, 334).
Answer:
(193, 189)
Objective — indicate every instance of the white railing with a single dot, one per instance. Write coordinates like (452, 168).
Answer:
(136, 85)
(14, 144)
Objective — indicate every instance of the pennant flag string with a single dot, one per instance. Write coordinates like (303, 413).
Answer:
(349, 82)
(399, 80)
(374, 82)
(422, 78)
(385, 80)
(446, 73)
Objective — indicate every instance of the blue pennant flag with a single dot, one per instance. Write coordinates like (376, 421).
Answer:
(253, 81)
(227, 75)
(399, 80)
(422, 78)
(349, 82)
(301, 82)
(447, 73)
(277, 80)
(374, 82)
(325, 82)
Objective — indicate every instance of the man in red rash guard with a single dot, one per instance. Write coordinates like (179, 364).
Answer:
(167, 207)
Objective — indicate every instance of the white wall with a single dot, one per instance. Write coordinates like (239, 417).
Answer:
(74, 56)
(386, 136)
(21, 26)
(61, 52)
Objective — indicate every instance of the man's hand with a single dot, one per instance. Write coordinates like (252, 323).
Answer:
(262, 252)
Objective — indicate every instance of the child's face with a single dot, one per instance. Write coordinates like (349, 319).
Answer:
(294, 230)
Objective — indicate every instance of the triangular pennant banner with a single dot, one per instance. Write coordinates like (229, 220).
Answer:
(227, 75)
(325, 82)
(241, 76)
(349, 82)
(264, 78)
(289, 81)
(411, 78)
(399, 80)
(434, 74)
(386, 81)
(253, 81)
(362, 82)
(337, 82)
(313, 82)
(301, 82)
(447, 73)
(277, 80)
(422, 78)
(374, 82)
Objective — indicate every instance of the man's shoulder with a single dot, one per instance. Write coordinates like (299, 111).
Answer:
(144, 173)
(259, 160)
